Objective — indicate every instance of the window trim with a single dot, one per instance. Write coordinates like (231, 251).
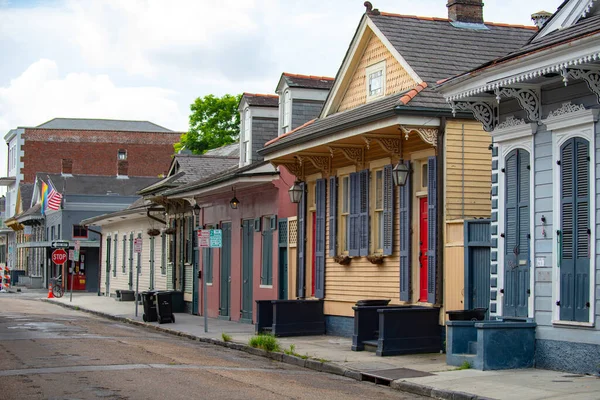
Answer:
(122, 152)
(78, 236)
(376, 229)
(286, 112)
(560, 135)
(373, 68)
(247, 137)
(343, 218)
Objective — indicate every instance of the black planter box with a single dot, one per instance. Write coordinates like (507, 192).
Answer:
(290, 317)
(409, 330)
(125, 295)
(475, 314)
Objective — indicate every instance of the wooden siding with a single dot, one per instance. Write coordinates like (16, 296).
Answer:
(468, 170)
(121, 280)
(397, 79)
(454, 261)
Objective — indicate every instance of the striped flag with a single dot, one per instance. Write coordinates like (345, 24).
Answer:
(54, 198)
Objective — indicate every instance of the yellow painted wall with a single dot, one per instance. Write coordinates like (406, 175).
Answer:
(397, 79)
(468, 170)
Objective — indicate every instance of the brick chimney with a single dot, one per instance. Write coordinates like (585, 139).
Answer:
(66, 166)
(122, 167)
(470, 11)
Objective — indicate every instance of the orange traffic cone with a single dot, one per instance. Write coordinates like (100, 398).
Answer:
(50, 295)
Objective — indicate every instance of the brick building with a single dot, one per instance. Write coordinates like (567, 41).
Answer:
(83, 147)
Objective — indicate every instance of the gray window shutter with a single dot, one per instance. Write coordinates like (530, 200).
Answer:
(388, 211)
(333, 210)
(354, 216)
(575, 231)
(301, 245)
(115, 261)
(267, 254)
(321, 200)
(511, 233)
(432, 229)
(405, 238)
(108, 257)
(364, 213)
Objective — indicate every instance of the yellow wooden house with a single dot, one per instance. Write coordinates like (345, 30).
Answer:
(359, 235)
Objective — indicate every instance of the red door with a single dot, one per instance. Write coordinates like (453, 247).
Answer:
(314, 253)
(423, 248)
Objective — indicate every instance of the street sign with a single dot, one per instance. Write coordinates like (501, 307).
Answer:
(60, 244)
(137, 245)
(76, 252)
(59, 256)
(72, 255)
(210, 238)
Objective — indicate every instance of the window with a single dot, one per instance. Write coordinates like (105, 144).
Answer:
(246, 149)
(287, 111)
(58, 232)
(378, 211)
(344, 212)
(79, 231)
(163, 255)
(424, 175)
(189, 239)
(124, 251)
(52, 233)
(122, 154)
(375, 77)
(108, 254)
(171, 243)
(116, 241)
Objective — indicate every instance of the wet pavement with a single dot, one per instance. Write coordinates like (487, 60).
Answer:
(47, 351)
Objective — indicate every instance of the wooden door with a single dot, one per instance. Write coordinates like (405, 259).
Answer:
(423, 249)
(225, 305)
(313, 253)
(247, 252)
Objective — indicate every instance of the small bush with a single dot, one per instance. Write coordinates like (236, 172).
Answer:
(265, 342)
(226, 337)
(291, 351)
(464, 365)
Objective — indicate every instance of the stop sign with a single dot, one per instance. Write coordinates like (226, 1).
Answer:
(59, 256)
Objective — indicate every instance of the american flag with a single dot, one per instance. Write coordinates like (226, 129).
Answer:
(54, 198)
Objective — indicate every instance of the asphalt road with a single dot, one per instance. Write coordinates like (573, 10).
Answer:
(49, 352)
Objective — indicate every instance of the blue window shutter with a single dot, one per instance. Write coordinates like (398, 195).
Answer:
(354, 216)
(575, 231)
(511, 233)
(405, 238)
(432, 230)
(301, 245)
(388, 211)
(321, 200)
(364, 213)
(333, 210)
(267, 254)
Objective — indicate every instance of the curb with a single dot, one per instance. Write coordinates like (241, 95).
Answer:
(315, 365)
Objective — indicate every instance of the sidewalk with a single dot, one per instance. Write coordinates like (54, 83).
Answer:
(425, 374)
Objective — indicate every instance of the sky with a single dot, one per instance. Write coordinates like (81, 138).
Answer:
(149, 59)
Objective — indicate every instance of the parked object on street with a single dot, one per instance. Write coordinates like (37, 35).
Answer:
(125, 295)
(475, 314)
(290, 317)
(150, 314)
(164, 307)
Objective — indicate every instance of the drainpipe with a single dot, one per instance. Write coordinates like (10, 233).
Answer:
(440, 206)
(99, 258)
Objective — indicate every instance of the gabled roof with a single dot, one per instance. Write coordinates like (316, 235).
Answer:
(307, 81)
(140, 206)
(260, 100)
(89, 124)
(26, 193)
(230, 150)
(569, 13)
(97, 185)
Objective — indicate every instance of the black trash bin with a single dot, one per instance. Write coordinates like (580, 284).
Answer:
(164, 307)
(149, 306)
(475, 314)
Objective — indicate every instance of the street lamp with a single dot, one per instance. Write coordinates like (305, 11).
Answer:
(295, 192)
(234, 203)
(400, 173)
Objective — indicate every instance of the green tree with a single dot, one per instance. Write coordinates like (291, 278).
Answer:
(214, 122)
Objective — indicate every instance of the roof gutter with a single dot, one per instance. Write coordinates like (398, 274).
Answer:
(216, 181)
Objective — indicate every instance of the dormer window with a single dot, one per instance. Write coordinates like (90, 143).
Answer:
(122, 154)
(375, 80)
(246, 152)
(286, 111)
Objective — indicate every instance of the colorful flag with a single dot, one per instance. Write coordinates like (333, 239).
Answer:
(54, 199)
(44, 197)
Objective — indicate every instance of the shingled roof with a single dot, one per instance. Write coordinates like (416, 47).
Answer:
(88, 124)
(308, 81)
(261, 100)
(97, 184)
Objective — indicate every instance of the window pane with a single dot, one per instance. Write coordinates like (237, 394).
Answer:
(375, 83)
(379, 190)
(424, 175)
(380, 230)
(345, 194)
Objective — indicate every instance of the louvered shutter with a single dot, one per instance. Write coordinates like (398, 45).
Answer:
(301, 245)
(364, 213)
(333, 210)
(354, 216)
(511, 233)
(431, 229)
(321, 200)
(575, 231)
(388, 211)
(405, 238)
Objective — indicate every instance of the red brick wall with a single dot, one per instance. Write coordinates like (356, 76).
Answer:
(465, 10)
(95, 152)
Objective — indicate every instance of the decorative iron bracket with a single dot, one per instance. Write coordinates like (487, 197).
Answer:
(428, 135)
(390, 144)
(528, 98)
(353, 152)
(321, 161)
(294, 167)
(591, 77)
(484, 111)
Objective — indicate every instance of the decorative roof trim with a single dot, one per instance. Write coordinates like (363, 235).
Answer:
(588, 8)
(525, 76)
(513, 128)
(569, 116)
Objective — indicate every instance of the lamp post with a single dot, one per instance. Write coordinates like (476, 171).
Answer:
(295, 192)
